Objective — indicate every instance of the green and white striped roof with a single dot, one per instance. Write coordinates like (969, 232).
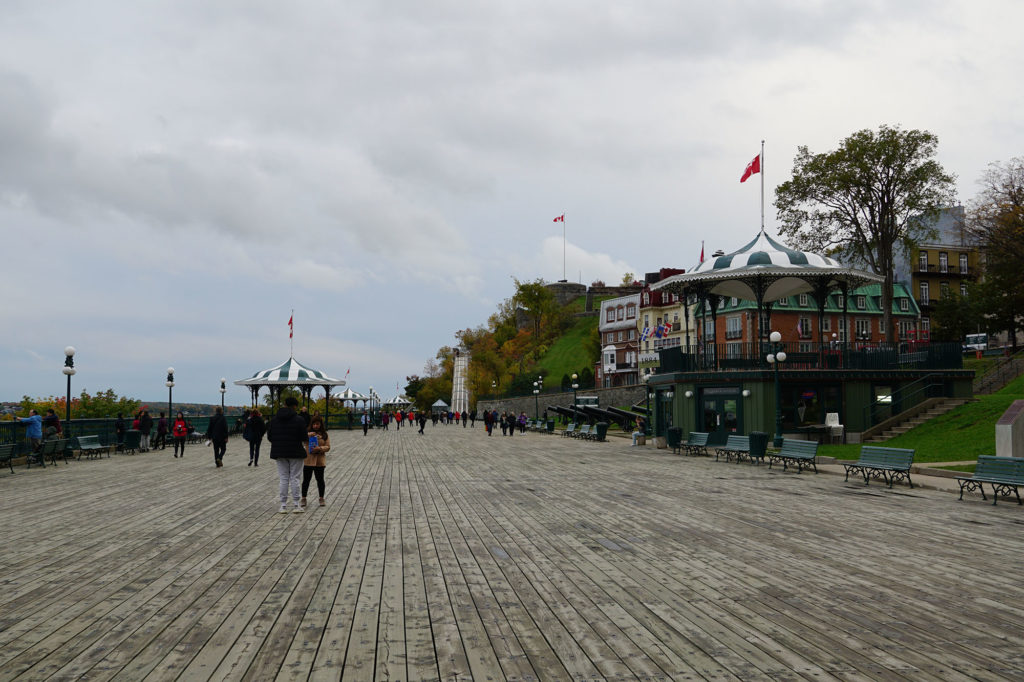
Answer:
(290, 373)
(780, 270)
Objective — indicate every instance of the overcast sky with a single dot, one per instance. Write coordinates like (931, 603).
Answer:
(177, 176)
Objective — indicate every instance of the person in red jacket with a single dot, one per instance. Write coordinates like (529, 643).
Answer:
(179, 431)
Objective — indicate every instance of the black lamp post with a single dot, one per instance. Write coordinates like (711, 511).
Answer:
(170, 387)
(69, 370)
(536, 400)
(575, 385)
(223, 390)
(775, 358)
(647, 397)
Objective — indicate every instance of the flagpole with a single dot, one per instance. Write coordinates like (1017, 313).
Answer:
(563, 248)
(762, 185)
(291, 336)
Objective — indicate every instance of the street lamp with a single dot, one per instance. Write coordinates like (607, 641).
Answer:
(223, 390)
(536, 400)
(170, 387)
(371, 405)
(775, 358)
(575, 385)
(69, 370)
(647, 397)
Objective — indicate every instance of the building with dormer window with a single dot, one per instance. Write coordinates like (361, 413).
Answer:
(619, 341)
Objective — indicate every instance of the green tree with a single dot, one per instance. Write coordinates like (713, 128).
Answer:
(866, 200)
(996, 220)
(953, 317)
(413, 385)
(628, 279)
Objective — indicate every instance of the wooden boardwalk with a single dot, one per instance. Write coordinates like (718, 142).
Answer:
(454, 556)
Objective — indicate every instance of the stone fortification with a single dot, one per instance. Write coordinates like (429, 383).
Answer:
(619, 396)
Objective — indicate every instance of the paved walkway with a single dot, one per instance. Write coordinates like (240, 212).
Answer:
(456, 556)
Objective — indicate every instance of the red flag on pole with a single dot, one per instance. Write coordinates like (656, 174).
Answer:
(291, 329)
(702, 251)
(752, 167)
(560, 218)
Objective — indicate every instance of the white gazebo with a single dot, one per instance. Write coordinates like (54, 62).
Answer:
(291, 373)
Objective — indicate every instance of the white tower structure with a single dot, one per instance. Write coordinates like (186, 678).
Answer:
(460, 393)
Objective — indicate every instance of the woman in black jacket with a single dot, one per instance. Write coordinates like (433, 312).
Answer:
(255, 427)
(289, 445)
(217, 432)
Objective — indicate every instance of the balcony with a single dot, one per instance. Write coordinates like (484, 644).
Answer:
(733, 333)
(947, 270)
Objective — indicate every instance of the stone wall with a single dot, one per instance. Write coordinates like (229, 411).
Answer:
(621, 396)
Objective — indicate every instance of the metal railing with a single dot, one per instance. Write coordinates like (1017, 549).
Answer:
(904, 398)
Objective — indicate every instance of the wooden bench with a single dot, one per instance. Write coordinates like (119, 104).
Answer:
(7, 455)
(799, 452)
(54, 449)
(90, 446)
(570, 430)
(889, 464)
(1004, 474)
(696, 444)
(735, 446)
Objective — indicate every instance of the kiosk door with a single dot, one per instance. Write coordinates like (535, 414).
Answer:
(720, 414)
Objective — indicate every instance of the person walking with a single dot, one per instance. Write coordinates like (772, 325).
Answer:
(217, 432)
(145, 427)
(289, 446)
(255, 427)
(422, 418)
(119, 429)
(316, 460)
(179, 432)
(365, 421)
(161, 432)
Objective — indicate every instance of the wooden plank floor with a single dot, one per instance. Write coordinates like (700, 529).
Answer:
(457, 556)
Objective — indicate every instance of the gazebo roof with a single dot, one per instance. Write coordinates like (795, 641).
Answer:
(397, 400)
(290, 373)
(349, 394)
(765, 264)
(440, 403)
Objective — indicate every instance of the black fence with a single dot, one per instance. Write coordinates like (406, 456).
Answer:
(14, 432)
(724, 357)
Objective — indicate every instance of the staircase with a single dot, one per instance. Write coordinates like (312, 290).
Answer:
(899, 427)
(1000, 375)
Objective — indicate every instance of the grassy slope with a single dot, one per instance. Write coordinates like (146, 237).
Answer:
(959, 435)
(566, 355)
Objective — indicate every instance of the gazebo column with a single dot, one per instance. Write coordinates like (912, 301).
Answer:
(759, 285)
(327, 406)
(821, 290)
(715, 304)
(845, 288)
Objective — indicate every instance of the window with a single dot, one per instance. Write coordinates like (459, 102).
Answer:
(609, 338)
(943, 289)
(620, 313)
(943, 261)
(782, 302)
(631, 311)
(647, 298)
(904, 304)
(963, 288)
(924, 299)
(881, 326)
(922, 261)
(803, 300)
(733, 301)
(632, 334)
(734, 350)
(734, 327)
(622, 336)
(963, 264)
(905, 327)
(647, 321)
(862, 302)
(843, 331)
(803, 327)
(840, 301)
(709, 330)
(826, 324)
(863, 328)
(609, 317)
(926, 326)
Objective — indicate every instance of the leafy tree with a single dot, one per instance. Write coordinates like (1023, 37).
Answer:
(628, 279)
(953, 317)
(996, 220)
(866, 200)
(566, 383)
(413, 385)
(586, 377)
(102, 405)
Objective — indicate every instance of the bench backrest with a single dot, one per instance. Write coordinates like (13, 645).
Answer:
(585, 429)
(7, 451)
(799, 448)
(697, 438)
(734, 442)
(571, 427)
(88, 440)
(1009, 468)
(894, 457)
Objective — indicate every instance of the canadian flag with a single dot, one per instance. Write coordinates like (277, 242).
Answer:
(752, 167)
(291, 329)
(560, 218)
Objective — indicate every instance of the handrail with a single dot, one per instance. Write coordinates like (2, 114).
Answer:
(996, 374)
(900, 396)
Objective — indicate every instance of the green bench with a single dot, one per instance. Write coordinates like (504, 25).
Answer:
(889, 464)
(735, 446)
(584, 432)
(800, 453)
(1004, 474)
(132, 440)
(7, 455)
(570, 430)
(53, 449)
(696, 444)
(90, 446)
